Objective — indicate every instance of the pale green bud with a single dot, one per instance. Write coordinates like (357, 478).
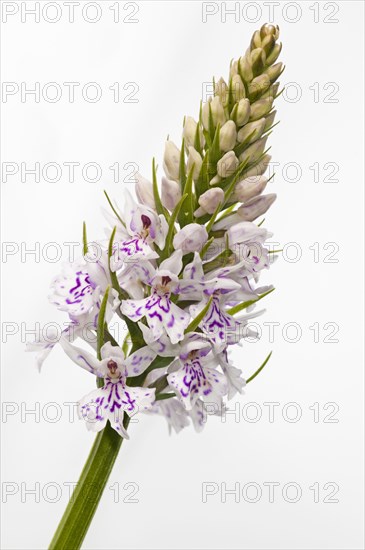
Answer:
(170, 193)
(255, 207)
(227, 136)
(254, 151)
(255, 40)
(189, 132)
(274, 71)
(269, 30)
(217, 112)
(261, 107)
(274, 54)
(259, 85)
(238, 89)
(257, 59)
(269, 120)
(268, 44)
(221, 90)
(251, 131)
(227, 165)
(214, 181)
(194, 158)
(272, 91)
(171, 160)
(233, 69)
(243, 112)
(245, 68)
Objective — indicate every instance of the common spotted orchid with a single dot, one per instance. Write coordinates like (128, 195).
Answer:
(179, 271)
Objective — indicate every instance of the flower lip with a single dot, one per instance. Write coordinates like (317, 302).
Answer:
(146, 221)
(165, 280)
(113, 367)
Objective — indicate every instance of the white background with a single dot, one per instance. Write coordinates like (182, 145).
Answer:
(170, 53)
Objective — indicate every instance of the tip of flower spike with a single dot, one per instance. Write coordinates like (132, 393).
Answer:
(269, 30)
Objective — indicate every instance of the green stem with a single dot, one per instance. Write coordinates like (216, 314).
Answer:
(87, 494)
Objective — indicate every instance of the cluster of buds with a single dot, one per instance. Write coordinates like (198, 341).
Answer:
(181, 265)
(229, 141)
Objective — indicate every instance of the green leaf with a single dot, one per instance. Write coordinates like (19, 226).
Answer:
(215, 151)
(84, 239)
(186, 214)
(218, 262)
(197, 144)
(113, 276)
(182, 173)
(202, 183)
(159, 384)
(206, 246)
(125, 345)
(112, 207)
(244, 305)
(158, 363)
(198, 319)
(171, 231)
(101, 322)
(259, 369)
(211, 222)
(135, 333)
(109, 337)
(211, 122)
(231, 100)
(156, 195)
(162, 396)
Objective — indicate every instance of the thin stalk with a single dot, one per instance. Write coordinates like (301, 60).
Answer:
(82, 506)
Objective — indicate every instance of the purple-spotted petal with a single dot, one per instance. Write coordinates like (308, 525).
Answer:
(139, 361)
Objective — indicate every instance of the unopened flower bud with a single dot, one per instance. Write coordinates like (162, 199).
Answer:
(245, 68)
(272, 91)
(255, 40)
(170, 193)
(255, 207)
(189, 132)
(269, 120)
(257, 59)
(233, 69)
(274, 54)
(171, 162)
(217, 110)
(227, 136)
(214, 181)
(258, 86)
(144, 191)
(191, 238)
(260, 168)
(261, 107)
(209, 201)
(194, 158)
(268, 44)
(254, 151)
(274, 71)
(251, 131)
(221, 90)
(243, 112)
(269, 30)
(249, 187)
(227, 165)
(238, 89)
